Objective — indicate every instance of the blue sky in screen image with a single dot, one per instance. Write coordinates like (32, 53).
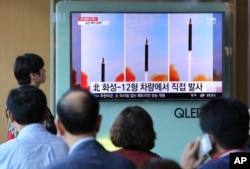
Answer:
(202, 44)
(138, 28)
(218, 31)
(76, 46)
(102, 41)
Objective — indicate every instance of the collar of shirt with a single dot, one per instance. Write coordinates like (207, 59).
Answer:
(226, 152)
(31, 128)
(79, 142)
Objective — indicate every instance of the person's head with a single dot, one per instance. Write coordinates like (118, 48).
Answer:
(29, 69)
(159, 163)
(26, 105)
(133, 129)
(227, 122)
(78, 112)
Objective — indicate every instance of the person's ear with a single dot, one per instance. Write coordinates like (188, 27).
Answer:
(212, 139)
(10, 116)
(32, 75)
(60, 127)
(98, 123)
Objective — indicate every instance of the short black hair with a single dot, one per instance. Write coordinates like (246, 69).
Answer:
(227, 119)
(26, 64)
(133, 129)
(28, 104)
(78, 117)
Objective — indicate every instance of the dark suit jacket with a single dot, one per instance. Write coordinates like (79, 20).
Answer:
(92, 155)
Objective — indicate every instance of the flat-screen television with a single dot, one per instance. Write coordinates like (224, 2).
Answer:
(159, 52)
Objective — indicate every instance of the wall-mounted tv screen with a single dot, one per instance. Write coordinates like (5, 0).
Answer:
(147, 56)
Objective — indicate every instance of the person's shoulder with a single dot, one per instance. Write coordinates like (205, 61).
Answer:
(57, 139)
(136, 153)
(109, 160)
(52, 137)
(247, 149)
(10, 145)
(153, 154)
(61, 163)
(117, 160)
(6, 147)
(122, 161)
(220, 163)
(53, 140)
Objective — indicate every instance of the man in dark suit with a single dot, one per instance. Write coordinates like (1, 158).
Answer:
(78, 123)
(226, 121)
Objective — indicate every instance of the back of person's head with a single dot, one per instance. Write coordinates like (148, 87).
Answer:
(133, 129)
(227, 119)
(159, 163)
(26, 64)
(78, 111)
(28, 104)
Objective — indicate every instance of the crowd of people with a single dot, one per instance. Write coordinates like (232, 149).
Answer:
(38, 141)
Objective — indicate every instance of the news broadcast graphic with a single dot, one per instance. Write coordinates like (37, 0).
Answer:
(240, 160)
(148, 56)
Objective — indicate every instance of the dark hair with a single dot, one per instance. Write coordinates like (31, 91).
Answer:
(80, 114)
(227, 119)
(159, 163)
(26, 64)
(28, 104)
(133, 129)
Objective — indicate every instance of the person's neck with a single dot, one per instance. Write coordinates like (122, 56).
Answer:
(72, 139)
(35, 84)
(32, 84)
(19, 127)
(218, 151)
